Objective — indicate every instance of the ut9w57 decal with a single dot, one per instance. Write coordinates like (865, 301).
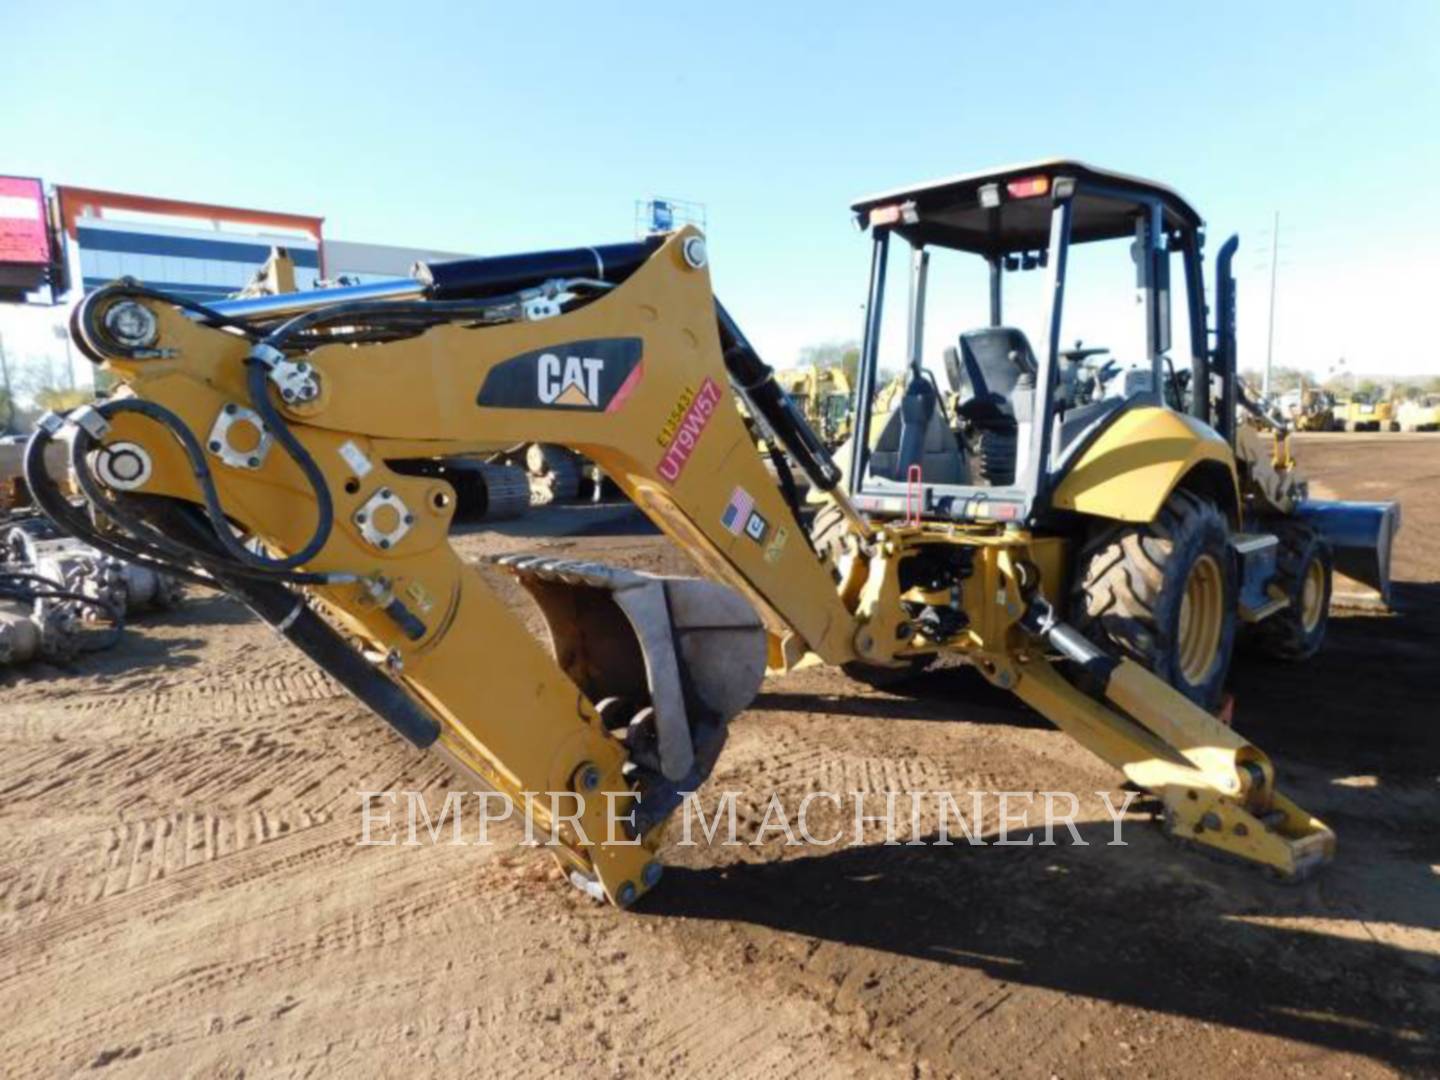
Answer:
(589, 376)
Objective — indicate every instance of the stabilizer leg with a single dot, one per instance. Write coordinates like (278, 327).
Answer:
(1218, 789)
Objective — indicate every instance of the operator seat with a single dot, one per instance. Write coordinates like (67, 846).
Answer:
(992, 361)
(917, 433)
(994, 376)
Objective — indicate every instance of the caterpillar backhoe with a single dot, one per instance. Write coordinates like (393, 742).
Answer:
(1093, 552)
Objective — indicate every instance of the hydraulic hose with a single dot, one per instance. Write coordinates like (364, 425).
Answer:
(68, 519)
(237, 559)
(84, 328)
(258, 386)
(756, 381)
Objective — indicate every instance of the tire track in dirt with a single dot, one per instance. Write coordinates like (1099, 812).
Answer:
(228, 694)
(125, 945)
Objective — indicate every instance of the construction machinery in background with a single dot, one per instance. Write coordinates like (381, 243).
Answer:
(1420, 414)
(1101, 569)
(1309, 408)
(1370, 412)
(555, 474)
(823, 396)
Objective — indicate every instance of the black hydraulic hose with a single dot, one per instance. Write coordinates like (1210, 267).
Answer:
(756, 381)
(258, 386)
(84, 328)
(73, 522)
(179, 553)
(424, 312)
(288, 613)
(259, 396)
(247, 559)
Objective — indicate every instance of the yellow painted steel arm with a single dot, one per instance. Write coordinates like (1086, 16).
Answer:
(1217, 789)
(634, 380)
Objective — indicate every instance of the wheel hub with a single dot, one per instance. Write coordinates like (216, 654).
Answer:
(1202, 620)
(1312, 596)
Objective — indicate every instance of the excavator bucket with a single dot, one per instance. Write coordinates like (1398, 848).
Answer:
(1361, 535)
(668, 661)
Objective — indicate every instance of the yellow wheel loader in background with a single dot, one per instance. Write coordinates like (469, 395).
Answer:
(1098, 559)
(1370, 412)
(823, 396)
(1309, 408)
(1420, 414)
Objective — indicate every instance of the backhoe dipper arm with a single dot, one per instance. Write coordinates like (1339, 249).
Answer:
(289, 430)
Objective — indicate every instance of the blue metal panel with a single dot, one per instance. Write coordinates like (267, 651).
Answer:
(141, 243)
(1361, 534)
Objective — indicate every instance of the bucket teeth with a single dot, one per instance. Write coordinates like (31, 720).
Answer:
(571, 571)
(685, 653)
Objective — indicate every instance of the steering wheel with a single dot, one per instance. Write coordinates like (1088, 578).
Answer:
(1079, 353)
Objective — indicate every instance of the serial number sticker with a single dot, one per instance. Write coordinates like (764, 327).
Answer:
(682, 431)
(355, 458)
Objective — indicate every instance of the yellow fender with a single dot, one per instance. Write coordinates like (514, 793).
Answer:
(1130, 470)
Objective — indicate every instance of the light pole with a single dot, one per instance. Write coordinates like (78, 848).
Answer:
(64, 335)
(1274, 266)
(9, 395)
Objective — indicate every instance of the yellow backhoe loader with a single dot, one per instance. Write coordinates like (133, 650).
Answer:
(1097, 558)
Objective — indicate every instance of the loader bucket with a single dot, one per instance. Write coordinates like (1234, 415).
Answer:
(1361, 535)
(672, 658)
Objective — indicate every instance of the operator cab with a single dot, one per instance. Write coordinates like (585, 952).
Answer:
(1021, 396)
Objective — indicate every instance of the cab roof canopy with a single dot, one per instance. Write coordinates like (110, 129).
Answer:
(1007, 210)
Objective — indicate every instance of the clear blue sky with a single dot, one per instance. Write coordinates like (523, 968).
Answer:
(498, 127)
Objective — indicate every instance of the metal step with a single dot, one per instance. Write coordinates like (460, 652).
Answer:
(1256, 557)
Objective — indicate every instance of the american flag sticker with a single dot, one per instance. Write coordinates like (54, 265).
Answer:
(737, 512)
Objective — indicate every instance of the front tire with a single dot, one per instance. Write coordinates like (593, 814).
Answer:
(1305, 566)
(1163, 594)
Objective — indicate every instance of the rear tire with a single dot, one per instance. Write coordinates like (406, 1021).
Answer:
(1305, 567)
(830, 534)
(1163, 595)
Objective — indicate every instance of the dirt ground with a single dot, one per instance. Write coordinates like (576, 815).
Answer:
(181, 890)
